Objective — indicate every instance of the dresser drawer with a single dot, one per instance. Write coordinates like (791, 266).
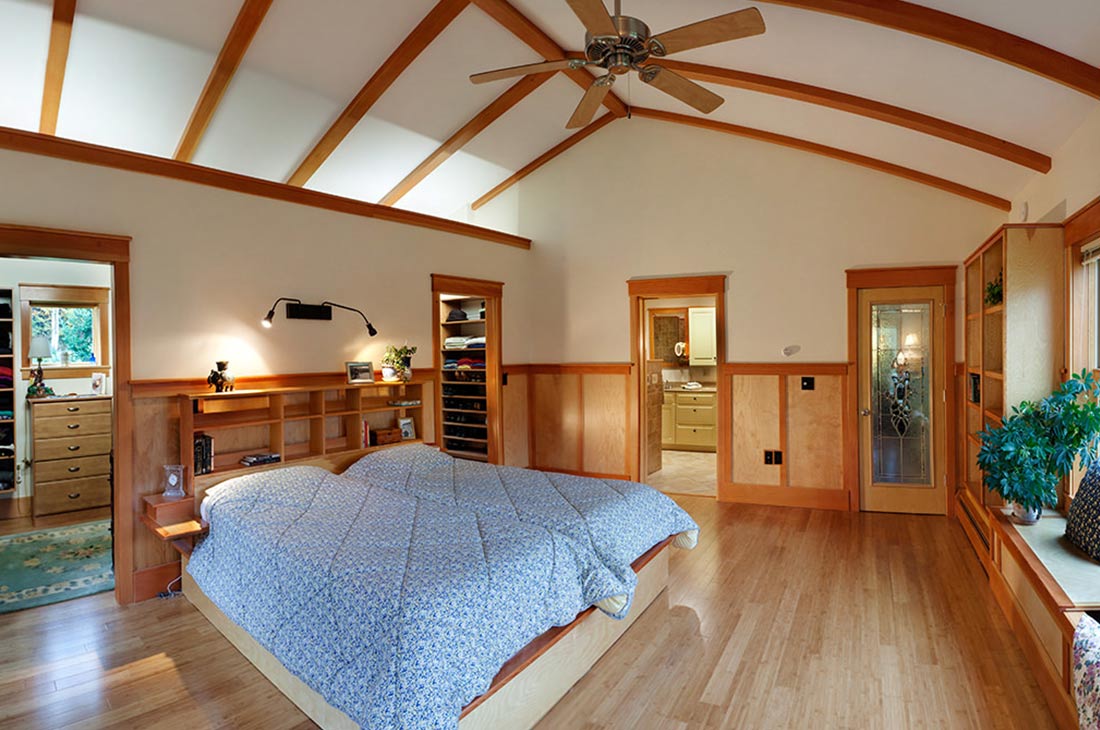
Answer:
(695, 435)
(69, 448)
(75, 425)
(71, 494)
(71, 408)
(88, 466)
(695, 399)
(695, 415)
(670, 399)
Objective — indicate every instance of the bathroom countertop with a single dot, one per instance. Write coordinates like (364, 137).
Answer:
(707, 388)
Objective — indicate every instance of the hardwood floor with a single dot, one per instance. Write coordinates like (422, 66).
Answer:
(780, 618)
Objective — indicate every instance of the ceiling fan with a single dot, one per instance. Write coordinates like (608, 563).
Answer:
(619, 43)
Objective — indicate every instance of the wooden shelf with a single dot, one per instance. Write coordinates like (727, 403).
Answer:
(995, 374)
(472, 455)
(464, 349)
(461, 322)
(993, 415)
(975, 406)
(995, 309)
(465, 425)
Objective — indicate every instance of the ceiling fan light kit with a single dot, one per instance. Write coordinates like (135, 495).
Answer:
(620, 43)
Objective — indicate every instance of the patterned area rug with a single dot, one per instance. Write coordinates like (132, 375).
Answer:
(48, 566)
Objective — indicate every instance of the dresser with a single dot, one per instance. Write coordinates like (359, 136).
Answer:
(71, 451)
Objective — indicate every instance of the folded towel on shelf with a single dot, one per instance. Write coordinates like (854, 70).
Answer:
(7, 415)
(475, 342)
(467, 363)
(455, 343)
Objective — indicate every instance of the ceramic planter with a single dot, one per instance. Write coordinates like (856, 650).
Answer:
(1025, 515)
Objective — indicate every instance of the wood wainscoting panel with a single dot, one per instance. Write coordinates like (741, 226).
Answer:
(815, 427)
(755, 428)
(515, 415)
(603, 400)
(558, 421)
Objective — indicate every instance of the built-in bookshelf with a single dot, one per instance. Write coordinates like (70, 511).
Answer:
(467, 358)
(8, 415)
(295, 423)
(1013, 333)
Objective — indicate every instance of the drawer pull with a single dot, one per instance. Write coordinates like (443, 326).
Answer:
(74, 495)
(72, 426)
(73, 409)
(74, 469)
(74, 448)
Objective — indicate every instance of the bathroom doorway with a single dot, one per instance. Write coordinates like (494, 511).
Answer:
(679, 348)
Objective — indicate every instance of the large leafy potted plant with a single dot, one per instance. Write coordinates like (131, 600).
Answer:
(397, 363)
(1037, 445)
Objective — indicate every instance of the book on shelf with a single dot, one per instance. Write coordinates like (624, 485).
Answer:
(366, 433)
(204, 453)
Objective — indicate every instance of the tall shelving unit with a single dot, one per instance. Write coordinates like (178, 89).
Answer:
(469, 398)
(1014, 347)
(8, 413)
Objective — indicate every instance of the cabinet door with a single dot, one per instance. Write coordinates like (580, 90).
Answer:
(668, 424)
(703, 340)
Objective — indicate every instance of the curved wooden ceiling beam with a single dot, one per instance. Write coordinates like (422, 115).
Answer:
(240, 37)
(496, 109)
(833, 152)
(864, 107)
(962, 33)
(61, 30)
(523, 28)
(545, 157)
(434, 23)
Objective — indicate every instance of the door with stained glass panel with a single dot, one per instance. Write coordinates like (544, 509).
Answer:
(902, 395)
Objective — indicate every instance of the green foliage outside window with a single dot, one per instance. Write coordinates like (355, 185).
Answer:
(67, 328)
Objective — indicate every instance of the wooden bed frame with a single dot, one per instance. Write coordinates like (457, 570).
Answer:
(527, 686)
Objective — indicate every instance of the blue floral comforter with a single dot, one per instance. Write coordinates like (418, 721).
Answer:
(620, 520)
(398, 610)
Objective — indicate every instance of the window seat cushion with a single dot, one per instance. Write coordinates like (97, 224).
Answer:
(1077, 575)
(1083, 520)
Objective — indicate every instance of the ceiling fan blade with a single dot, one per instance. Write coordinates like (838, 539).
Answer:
(683, 89)
(593, 14)
(729, 27)
(527, 68)
(590, 102)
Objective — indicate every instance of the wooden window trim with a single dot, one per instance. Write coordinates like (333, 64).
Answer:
(50, 295)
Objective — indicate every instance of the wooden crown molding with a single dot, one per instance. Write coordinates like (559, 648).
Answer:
(16, 241)
(1084, 225)
(545, 157)
(434, 23)
(677, 286)
(496, 109)
(826, 151)
(962, 33)
(864, 107)
(523, 28)
(901, 276)
(450, 284)
(49, 146)
(61, 31)
(236, 44)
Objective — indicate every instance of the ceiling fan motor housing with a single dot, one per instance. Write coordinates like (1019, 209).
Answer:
(619, 54)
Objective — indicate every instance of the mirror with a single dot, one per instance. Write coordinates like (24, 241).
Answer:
(667, 327)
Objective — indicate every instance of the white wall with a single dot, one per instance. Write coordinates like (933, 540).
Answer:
(784, 224)
(14, 272)
(1073, 180)
(207, 264)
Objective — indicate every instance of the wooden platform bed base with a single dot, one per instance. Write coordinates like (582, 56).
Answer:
(524, 690)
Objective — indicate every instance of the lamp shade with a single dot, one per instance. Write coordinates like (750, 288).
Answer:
(40, 347)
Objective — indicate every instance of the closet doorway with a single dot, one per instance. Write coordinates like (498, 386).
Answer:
(678, 347)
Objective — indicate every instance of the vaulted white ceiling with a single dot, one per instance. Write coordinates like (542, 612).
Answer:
(136, 69)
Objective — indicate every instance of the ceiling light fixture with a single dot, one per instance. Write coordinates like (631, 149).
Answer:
(295, 309)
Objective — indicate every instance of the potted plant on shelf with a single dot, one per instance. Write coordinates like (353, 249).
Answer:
(1037, 445)
(397, 363)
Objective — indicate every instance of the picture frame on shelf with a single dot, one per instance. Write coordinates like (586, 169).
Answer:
(97, 383)
(408, 428)
(359, 372)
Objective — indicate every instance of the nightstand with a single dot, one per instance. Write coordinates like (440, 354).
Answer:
(174, 520)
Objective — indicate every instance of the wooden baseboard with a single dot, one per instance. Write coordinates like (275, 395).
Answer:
(970, 529)
(775, 496)
(15, 507)
(151, 581)
(575, 472)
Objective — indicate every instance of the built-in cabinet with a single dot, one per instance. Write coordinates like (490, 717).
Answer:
(702, 336)
(689, 421)
(8, 428)
(1014, 343)
(71, 442)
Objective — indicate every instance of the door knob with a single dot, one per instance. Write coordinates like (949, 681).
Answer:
(865, 412)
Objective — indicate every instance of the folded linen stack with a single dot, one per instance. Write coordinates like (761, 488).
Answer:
(475, 343)
(455, 343)
(468, 363)
(5, 377)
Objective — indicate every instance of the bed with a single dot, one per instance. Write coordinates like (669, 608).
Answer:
(379, 604)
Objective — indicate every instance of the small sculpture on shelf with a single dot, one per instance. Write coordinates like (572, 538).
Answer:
(221, 379)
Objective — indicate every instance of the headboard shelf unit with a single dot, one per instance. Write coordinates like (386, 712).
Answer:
(8, 428)
(296, 423)
(468, 402)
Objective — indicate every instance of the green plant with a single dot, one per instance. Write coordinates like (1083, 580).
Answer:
(395, 357)
(995, 290)
(1037, 444)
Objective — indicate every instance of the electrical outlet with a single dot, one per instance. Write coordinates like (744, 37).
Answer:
(768, 457)
(807, 383)
(777, 457)
(504, 379)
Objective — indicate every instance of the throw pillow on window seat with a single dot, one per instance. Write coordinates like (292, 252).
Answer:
(1086, 672)
(1083, 520)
